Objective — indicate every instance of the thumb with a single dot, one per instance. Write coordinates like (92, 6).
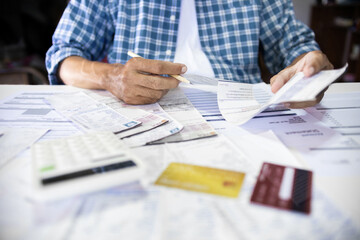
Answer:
(314, 62)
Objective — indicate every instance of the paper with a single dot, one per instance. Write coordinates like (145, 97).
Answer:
(239, 102)
(15, 140)
(345, 121)
(202, 179)
(158, 124)
(346, 100)
(90, 114)
(217, 152)
(148, 119)
(204, 98)
(300, 131)
(261, 147)
(197, 79)
(165, 130)
(340, 112)
(28, 109)
(180, 108)
(258, 222)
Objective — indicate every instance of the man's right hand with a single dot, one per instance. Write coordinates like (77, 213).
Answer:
(139, 80)
(136, 82)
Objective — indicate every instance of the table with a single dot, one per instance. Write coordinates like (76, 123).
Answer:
(343, 191)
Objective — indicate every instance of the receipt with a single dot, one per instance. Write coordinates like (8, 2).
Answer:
(89, 114)
(239, 102)
(145, 114)
(178, 106)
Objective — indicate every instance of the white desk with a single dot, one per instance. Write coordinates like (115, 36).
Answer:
(344, 191)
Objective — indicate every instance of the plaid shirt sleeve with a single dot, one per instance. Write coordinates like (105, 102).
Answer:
(84, 30)
(283, 37)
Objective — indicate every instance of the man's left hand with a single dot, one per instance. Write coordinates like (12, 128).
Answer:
(309, 63)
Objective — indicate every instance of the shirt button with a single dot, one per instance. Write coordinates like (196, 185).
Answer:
(172, 17)
(168, 52)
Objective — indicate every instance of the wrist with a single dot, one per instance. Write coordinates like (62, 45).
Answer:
(109, 74)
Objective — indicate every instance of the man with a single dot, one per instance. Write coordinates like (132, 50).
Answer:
(214, 38)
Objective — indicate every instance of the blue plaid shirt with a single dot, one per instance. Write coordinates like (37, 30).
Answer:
(230, 33)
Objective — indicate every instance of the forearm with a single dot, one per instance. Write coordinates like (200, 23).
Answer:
(79, 72)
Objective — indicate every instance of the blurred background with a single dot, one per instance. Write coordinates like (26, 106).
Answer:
(27, 27)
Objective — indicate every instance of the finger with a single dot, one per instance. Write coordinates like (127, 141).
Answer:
(156, 66)
(138, 100)
(315, 62)
(306, 104)
(281, 78)
(299, 105)
(156, 82)
(148, 92)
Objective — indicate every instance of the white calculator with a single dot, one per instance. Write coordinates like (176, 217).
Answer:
(81, 164)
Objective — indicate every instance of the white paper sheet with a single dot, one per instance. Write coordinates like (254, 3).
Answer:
(165, 130)
(262, 147)
(176, 104)
(340, 112)
(300, 131)
(259, 222)
(345, 121)
(28, 109)
(15, 140)
(148, 120)
(90, 114)
(239, 102)
(204, 98)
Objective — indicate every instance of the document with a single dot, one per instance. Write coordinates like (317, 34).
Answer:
(260, 222)
(176, 104)
(169, 128)
(89, 114)
(217, 152)
(28, 109)
(139, 113)
(344, 120)
(239, 102)
(261, 147)
(340, 112)
(204, 99)
(300, 131)
(15, 140)
(157, 124)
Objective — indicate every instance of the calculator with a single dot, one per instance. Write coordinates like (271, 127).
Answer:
(82, 164)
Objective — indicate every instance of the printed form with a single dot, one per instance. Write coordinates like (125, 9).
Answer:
(148, 119)
(178, 106)
(239, 102)
(90, 114)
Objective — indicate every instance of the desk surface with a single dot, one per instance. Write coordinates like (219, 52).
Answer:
(344, 191)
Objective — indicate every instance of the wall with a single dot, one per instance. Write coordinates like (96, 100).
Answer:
(303, 10)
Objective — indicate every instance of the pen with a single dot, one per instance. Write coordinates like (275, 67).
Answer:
(178, 77)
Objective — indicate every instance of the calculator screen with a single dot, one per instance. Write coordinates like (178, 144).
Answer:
(88, 172)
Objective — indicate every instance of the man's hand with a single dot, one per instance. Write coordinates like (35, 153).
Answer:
(310, 64)
(136, 82)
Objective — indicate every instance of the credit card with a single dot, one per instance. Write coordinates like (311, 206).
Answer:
(283, 187)
(202, 179)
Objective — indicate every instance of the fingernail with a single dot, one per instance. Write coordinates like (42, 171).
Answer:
(183, 69)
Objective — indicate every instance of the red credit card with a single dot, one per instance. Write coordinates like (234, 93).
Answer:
(283, 187)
